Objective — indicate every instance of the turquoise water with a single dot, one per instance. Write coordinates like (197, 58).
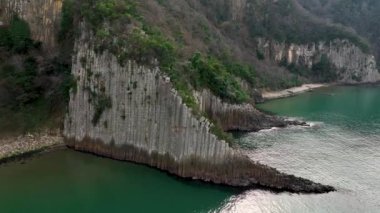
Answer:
(341, 148)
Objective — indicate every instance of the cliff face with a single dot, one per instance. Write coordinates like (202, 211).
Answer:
(236, 117)
(146, 121)
(351, 63)
(43, 17)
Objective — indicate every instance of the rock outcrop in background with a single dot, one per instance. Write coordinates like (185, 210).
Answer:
(351, 63)
(236, 117)
(43, 17)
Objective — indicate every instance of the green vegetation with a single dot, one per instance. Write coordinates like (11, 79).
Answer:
(21, 82)
(361, 15)
(220, 11)
(120, 30)
(29, 118)
(218, 131)
(299, 70)
(208, 72)
(67, 22)
(324, 70)
(98, 12)
(260, 55)
(28, 102)
(33, 90)
(278, 82)
(281, 22)
(17, 37)
(146, 45)
(102, 103)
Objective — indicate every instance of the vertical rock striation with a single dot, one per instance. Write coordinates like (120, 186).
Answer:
(43, 17)
(351, 63)
(236, 117)
(146, 121)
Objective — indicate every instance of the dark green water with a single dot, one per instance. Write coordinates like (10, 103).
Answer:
(68, 181)
(342, 149)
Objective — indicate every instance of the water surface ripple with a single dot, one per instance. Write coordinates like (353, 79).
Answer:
(342, 149)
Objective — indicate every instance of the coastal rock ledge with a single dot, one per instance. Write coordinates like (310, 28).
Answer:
(132, 113)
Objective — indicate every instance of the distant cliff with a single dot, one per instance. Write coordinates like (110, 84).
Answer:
(283, 33)
(350, 63)
(43, 17)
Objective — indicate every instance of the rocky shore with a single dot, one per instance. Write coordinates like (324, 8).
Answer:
(13, 147)
(270, 95)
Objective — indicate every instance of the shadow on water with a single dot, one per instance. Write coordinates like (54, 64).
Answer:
(76, 182)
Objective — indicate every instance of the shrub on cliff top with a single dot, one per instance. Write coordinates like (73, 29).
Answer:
(211, 73)
(97, 12)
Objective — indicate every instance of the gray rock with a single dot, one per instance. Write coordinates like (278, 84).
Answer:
(236, 117)
(352, 64)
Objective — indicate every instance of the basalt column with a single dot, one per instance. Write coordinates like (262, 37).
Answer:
(131, 112)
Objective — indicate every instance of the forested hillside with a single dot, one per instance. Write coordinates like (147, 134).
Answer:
(34, 86)
(363, 16)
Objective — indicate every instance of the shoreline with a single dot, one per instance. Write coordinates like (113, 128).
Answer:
(13, 148)
(271, 95)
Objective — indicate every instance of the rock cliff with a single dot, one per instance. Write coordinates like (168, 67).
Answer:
(351, 63)
(132, 112)
(236, 117)
(43, 17)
